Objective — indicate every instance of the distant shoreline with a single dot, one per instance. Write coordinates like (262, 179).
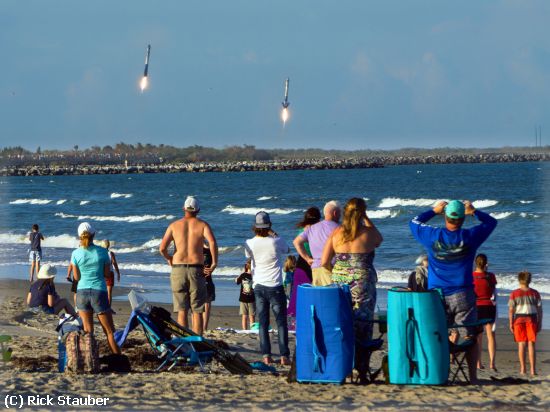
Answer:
(269, 165)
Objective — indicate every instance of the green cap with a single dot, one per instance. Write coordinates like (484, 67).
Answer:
(454, 209)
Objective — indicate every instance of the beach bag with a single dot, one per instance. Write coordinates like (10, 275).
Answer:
(418, 346)
(324, 334)
(82, 353)
(67, 324)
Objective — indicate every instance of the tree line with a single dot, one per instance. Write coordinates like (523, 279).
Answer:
(158, 154)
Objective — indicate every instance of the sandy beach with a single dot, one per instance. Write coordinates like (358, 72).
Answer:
(33, 371)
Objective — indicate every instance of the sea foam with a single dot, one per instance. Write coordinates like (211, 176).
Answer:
(84, 202)
(233, 210)
(130, 219)
(266, 197)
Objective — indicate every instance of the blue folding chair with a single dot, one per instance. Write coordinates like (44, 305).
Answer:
(175, 344)
(172, 351)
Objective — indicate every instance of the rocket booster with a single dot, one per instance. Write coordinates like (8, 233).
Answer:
(286, 103)
(146, 70)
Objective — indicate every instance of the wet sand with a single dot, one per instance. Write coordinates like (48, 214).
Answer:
(33, 371)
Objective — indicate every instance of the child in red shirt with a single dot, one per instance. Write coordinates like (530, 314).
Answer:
(525, 319)
(485, 289)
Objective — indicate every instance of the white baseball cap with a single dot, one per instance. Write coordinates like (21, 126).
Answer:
(191, 204)
(85, 227)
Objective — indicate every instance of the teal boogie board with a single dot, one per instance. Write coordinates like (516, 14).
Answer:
(418, 346)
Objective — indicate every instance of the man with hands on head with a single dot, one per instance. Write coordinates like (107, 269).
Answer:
(187, 278)
(451, 252)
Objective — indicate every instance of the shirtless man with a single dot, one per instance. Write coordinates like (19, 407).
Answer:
(187, 278)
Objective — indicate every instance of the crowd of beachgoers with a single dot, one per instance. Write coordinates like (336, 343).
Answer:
(336, 246)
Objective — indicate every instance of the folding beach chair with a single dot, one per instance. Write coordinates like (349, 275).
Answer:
(459, 350)
(177, 345)
(363, 353)
(173, 351)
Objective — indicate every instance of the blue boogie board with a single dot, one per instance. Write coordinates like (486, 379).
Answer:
(324, 334)
(418, 346)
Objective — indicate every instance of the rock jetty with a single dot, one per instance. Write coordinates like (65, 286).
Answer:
(272, 165)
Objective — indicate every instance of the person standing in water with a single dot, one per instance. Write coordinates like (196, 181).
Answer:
(35, 254)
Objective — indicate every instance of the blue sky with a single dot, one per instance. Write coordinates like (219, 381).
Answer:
(363, 74)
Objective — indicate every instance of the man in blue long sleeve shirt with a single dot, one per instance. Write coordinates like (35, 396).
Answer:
(451, 252)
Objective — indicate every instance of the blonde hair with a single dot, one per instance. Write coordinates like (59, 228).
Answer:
(86, 239)
(290, 263)
(354, 212)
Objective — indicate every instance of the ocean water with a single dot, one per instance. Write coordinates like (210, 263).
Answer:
(133, 211)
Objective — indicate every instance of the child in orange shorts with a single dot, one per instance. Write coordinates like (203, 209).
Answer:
(525, 319)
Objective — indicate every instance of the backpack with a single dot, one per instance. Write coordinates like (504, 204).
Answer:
(82, 353)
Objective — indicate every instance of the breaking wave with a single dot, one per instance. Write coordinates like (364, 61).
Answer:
(395, 201)
(59, 241)
(130, 219)
(388, 278)
(529, 215)
(60, 202)
(233, 210)
(389, 202)
(124, 195)
(266, 197)
(480, 204)
(224, 271)
(501, 215)
(526, 202)
(152, 245)
(30, 202)
(229, 249)
(382, 214)
(84, 202)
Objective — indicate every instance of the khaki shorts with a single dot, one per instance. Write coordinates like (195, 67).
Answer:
(247, 309)
(188, 285)
(321, 276)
